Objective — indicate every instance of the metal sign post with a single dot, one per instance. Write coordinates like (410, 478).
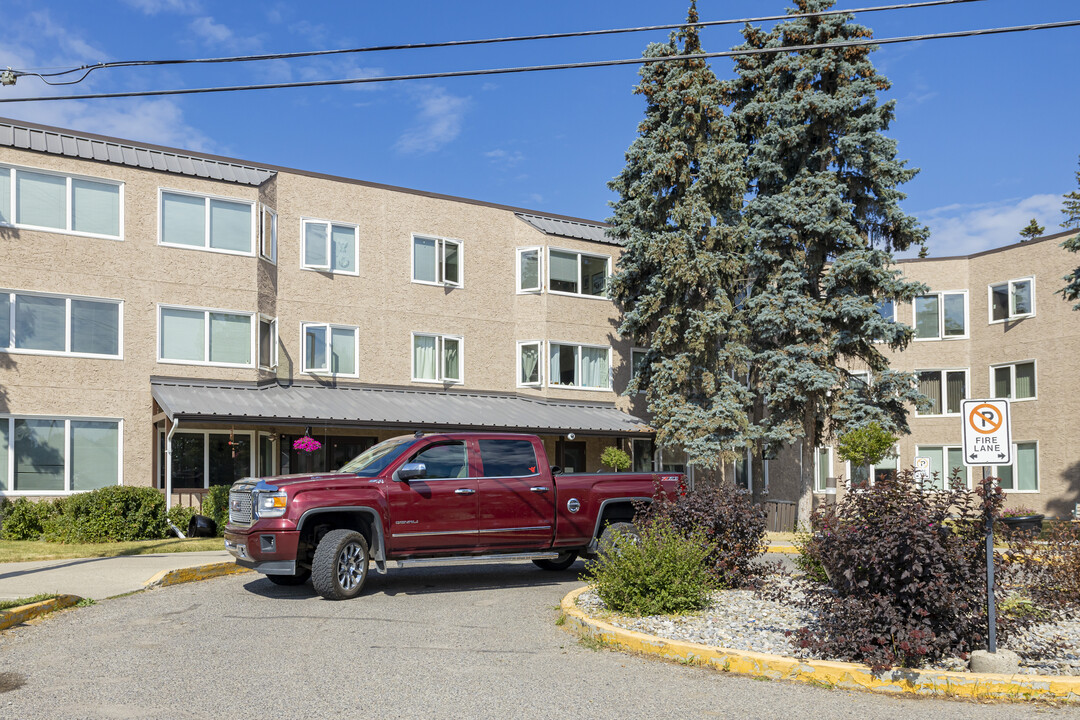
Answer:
(987, 433)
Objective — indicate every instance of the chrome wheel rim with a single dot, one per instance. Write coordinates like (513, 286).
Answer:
(350, 566)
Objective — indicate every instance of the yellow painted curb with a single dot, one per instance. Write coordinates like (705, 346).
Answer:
(785, 549)
(194, 574)
(19, 615)
(849, 676)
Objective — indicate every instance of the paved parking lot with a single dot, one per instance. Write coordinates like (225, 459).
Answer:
(435, 642)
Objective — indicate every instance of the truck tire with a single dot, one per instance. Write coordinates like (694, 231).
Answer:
(299, 578)
(562, 562)
(340, 566)
(617, 534)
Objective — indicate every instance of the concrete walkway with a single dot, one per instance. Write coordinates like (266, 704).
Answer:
(96, 578)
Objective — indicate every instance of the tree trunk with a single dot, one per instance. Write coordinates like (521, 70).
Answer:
(807, 448)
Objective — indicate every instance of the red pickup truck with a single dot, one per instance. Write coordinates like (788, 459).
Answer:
(478, 496)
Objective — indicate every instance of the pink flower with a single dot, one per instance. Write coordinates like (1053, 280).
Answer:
(306, 444)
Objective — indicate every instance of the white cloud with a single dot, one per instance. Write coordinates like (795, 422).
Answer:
(967, 229)
(438, 122)
(215, 34)
(505, 158)
(153, 7)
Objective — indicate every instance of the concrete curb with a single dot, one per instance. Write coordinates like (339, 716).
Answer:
(19, 615)
(785, 549)
(849, 676)
(194, 574)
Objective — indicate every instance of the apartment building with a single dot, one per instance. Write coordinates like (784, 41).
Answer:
(179, 320)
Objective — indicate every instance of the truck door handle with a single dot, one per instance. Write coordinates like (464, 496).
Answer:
(464, 491)
(538, 489)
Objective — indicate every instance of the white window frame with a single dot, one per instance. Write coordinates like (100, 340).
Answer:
(1015, 457)
(68, 229)
(941, 316)
(329, 327)
(539, 250)
(749, 471)
(253, 463)
(540, 364)
(1013, 315)
(268, 215)
(253, 341)
(1012, 379)
(577, 361)
(440, 338)
(273, 342)
(7, 464)
(816, 469)
(944, 461)
(329, 224)
(252, 235)
(67, 351)
(580, 254)
(440, 260)
(942, 372)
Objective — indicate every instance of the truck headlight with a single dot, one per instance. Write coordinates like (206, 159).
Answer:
(271, 505)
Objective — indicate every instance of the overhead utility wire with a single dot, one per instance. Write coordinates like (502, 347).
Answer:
(87, 69)
(561, 66)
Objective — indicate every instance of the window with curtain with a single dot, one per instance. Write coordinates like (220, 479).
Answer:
(528, 269)
(940, 315)
(329, 246)
(1023, 474)
(58, 455)
(578, 273)
(529, 363)
(59, 324)
(945, 389)
(436, 261)
(580, 366)
(437, 358)
(211, 337)
(1015, 381)
(217, 224)
(330, 349)
(1012, 299)
(60, 202)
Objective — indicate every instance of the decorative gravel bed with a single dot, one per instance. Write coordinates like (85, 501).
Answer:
(739, 620)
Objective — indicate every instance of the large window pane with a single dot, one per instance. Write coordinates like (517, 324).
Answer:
(316, 254)
(564, 271)
(529, 277)
(343, 248)
(593, 275)
(452, 263)
(594, 367)
(564, 365)
(955, 457)
(1003, 382)
(41, 199)
(230, 458)
(1021, 297)
(95, 207)
(955, 315)
(188, 460)
(1005, 477)
(955, 391)
(930, 386)
(39, 455)
(999, 302)
(444, 461)
(315, 347)
(182, 334)
(230, 226)
(424, 259)
(887, 310)
(95, 454)
(40, 322)
(529, 363)
(1027, 466)
(927, 317)
(343, 351)
(937, 465)
(451, 359)
(230, 338)
(95, 327)
(4, 430)
(1025, 380)
(822, 469)
(424, 361)
(183, 220)
(5, 320)
(5, 196)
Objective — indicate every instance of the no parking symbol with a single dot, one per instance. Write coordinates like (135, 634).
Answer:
(987, 432)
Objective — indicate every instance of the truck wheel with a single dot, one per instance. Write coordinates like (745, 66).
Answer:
(616, 535)
(340, 566)
(562, 562)
(299, 578)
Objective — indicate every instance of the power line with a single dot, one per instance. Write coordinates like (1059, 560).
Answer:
(561, 66)
(87, 69)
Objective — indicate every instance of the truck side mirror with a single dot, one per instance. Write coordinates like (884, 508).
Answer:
(556, 470)
(412, 471)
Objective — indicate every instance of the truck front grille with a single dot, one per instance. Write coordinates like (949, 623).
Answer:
(240, 507)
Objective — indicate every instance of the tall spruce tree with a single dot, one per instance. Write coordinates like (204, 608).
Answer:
(822, 221)
(678, 279)
(1071, 209)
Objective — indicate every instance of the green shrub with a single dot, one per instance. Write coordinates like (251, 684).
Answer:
(664, 572)
(806, 558)
(25, 519)
(180, 517)
(615, 458)
(109, 514)
(215, 505)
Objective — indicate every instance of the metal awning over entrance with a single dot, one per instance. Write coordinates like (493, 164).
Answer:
(354, 406)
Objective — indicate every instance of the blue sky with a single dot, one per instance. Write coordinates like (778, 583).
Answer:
(990, 121)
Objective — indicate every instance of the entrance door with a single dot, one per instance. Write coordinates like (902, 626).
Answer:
(570, 456)
(437, 512)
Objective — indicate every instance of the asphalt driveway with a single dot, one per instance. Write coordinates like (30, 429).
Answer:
(433, 642)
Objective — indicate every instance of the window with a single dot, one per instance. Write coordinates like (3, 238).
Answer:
(887, 310)
(945, 461)
(742, 471)
(67, 203)
(46, 455)
(644, 453)
(330, 349)
(60, 325)
(941, 316)
(329, 246)
(861, 477)
(508, 458)
(576, 273)
(637, 361)
(201, 458)
(529, 363)
(268, 341)
(1015, 381)
(268, 235)
(436, 358)
(207, 223)
(436, 261)
(205, 337)
(824, 482)
(581, 366)
(1023, 474)
(945, 390)
(1012, 300)
(529, 271)
(447, 460)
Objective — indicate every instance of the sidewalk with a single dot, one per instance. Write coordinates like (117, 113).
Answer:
(96, 578)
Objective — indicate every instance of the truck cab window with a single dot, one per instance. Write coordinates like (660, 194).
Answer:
(449, 460)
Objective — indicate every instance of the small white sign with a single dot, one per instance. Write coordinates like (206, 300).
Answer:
(987, 432)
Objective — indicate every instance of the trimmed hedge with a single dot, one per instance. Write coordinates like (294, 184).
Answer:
(215, 505)
(116, 513)
(25, 519)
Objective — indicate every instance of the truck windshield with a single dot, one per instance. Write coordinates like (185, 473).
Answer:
(374, 460)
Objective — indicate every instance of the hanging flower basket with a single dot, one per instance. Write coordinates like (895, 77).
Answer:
(306, 444)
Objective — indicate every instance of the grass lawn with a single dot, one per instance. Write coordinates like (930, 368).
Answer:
(23, 550)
